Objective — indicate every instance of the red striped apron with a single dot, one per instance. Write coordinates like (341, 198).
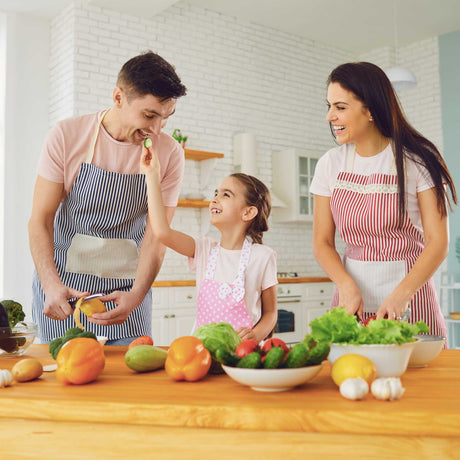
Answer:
(378, 254)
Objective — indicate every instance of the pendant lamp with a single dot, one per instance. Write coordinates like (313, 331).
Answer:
(400, 77)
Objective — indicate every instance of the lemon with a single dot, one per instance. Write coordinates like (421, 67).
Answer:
(352, 366)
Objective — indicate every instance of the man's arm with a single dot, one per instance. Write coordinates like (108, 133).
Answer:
(47, 196)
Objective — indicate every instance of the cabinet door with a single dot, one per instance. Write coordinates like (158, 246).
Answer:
(311, 314)
(182, 321)
(161, 324)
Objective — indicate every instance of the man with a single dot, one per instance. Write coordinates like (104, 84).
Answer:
(88, 230)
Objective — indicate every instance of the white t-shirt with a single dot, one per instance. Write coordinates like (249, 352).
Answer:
(260, 272)
(335, 161)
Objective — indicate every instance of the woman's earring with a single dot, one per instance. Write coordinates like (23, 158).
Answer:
(370, 119)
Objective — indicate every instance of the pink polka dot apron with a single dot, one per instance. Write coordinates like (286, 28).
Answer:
(222, 301)
(378, 253)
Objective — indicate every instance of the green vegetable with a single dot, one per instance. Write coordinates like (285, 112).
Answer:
(227, 357)
(338, 326)
(215, 336)
(274, 358)
(14, 310)
(70, 334)
(318, 354)
(309, 342)
(148, 142)
(251, 361)
(297, 356)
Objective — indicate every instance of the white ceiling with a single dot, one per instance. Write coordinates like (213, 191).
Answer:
(355, 25)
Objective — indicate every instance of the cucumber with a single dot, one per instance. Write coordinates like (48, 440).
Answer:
(318, 354)
(145, 358)
(148, 142)
(251, 361)
(274, 358)
(298, 356)
(227, 357)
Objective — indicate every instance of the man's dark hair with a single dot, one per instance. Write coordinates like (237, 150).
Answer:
(149, 73)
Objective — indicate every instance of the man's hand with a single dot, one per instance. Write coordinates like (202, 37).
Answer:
(149, 162)
(56, 302)
(126, 302)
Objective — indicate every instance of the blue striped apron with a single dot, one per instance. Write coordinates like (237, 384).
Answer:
(103, 208)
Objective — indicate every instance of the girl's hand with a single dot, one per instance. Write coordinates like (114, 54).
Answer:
(246, 333)
(149, 162)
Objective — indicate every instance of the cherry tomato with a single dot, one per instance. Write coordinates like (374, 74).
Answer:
(245, 347)
(367, 320)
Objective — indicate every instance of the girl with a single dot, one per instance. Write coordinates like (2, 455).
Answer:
(236, 280)
(384, 190)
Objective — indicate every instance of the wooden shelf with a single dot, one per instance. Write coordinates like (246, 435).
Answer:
(192, 204)
(199, 155)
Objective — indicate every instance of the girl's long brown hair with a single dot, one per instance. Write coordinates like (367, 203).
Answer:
(372, 87)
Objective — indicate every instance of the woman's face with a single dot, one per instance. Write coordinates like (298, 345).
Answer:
(347, 115)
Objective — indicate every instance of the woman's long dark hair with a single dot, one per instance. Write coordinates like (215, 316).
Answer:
(372, 87)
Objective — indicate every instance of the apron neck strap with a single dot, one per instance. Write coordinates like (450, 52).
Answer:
(351, 161)
(90, 154)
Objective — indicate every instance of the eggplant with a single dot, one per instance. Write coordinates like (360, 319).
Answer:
(7, 343)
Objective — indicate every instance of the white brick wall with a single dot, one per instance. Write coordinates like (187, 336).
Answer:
(240, 77)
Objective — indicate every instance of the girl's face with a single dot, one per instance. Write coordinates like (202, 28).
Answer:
(229, 202)
(347, 115)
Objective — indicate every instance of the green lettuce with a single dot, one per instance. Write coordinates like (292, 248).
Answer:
(338, 326)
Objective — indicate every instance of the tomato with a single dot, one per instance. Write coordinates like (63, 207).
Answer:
(367, 320)
(270, 343)
(142, 340)
(187, 359)
(245, 347)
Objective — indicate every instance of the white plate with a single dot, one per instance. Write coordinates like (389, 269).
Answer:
(272, 379)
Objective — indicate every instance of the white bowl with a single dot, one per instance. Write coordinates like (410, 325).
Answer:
(102, 339)
(272, 379)
(426, 349)
(389, 360)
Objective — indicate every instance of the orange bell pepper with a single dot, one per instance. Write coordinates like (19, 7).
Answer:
(80, 361)
(187, 359)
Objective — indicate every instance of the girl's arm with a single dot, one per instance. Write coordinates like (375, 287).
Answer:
(178, 241)
(329, 259)
(435, 229)
(267, 320)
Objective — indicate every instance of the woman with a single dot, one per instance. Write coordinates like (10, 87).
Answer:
(384, 190)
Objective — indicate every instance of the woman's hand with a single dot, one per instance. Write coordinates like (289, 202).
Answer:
(350, 298)
(149, 162)
(393, 307)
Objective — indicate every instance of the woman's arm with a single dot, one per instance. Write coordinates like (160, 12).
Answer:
(178, 241)
(328, 258)
(267, 320)
(436, 234)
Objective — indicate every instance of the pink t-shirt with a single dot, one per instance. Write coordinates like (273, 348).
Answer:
(68, 142)
(335, 161)
(260, 273)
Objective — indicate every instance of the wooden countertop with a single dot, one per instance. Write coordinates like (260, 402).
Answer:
(222, 413)
(309, 279)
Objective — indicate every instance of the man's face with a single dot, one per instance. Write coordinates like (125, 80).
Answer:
(141, 117)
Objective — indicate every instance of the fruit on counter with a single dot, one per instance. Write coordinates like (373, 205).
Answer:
(245, 347)
(80, 361)
(217, 335)
(387, 389)
(338, 326)
(71, 333)
(6, 378)
(297, 356)
(15, 312)
(142, 340)
(188, 359)
(274, 358)
(352, 366)
(354, 389)
(274, 342)
(251, 361)
(145, 358)
(27, 369)
(88, 307)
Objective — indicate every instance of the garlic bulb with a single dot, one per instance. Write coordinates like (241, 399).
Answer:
(354, 388)
(6, 378)
(387, 389)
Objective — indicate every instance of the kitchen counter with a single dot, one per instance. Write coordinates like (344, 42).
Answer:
(298, 279)
(127, 415)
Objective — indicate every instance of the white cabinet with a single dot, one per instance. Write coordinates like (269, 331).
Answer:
(318, 298)
(292, 173)
(448, 297)
(174, 313)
